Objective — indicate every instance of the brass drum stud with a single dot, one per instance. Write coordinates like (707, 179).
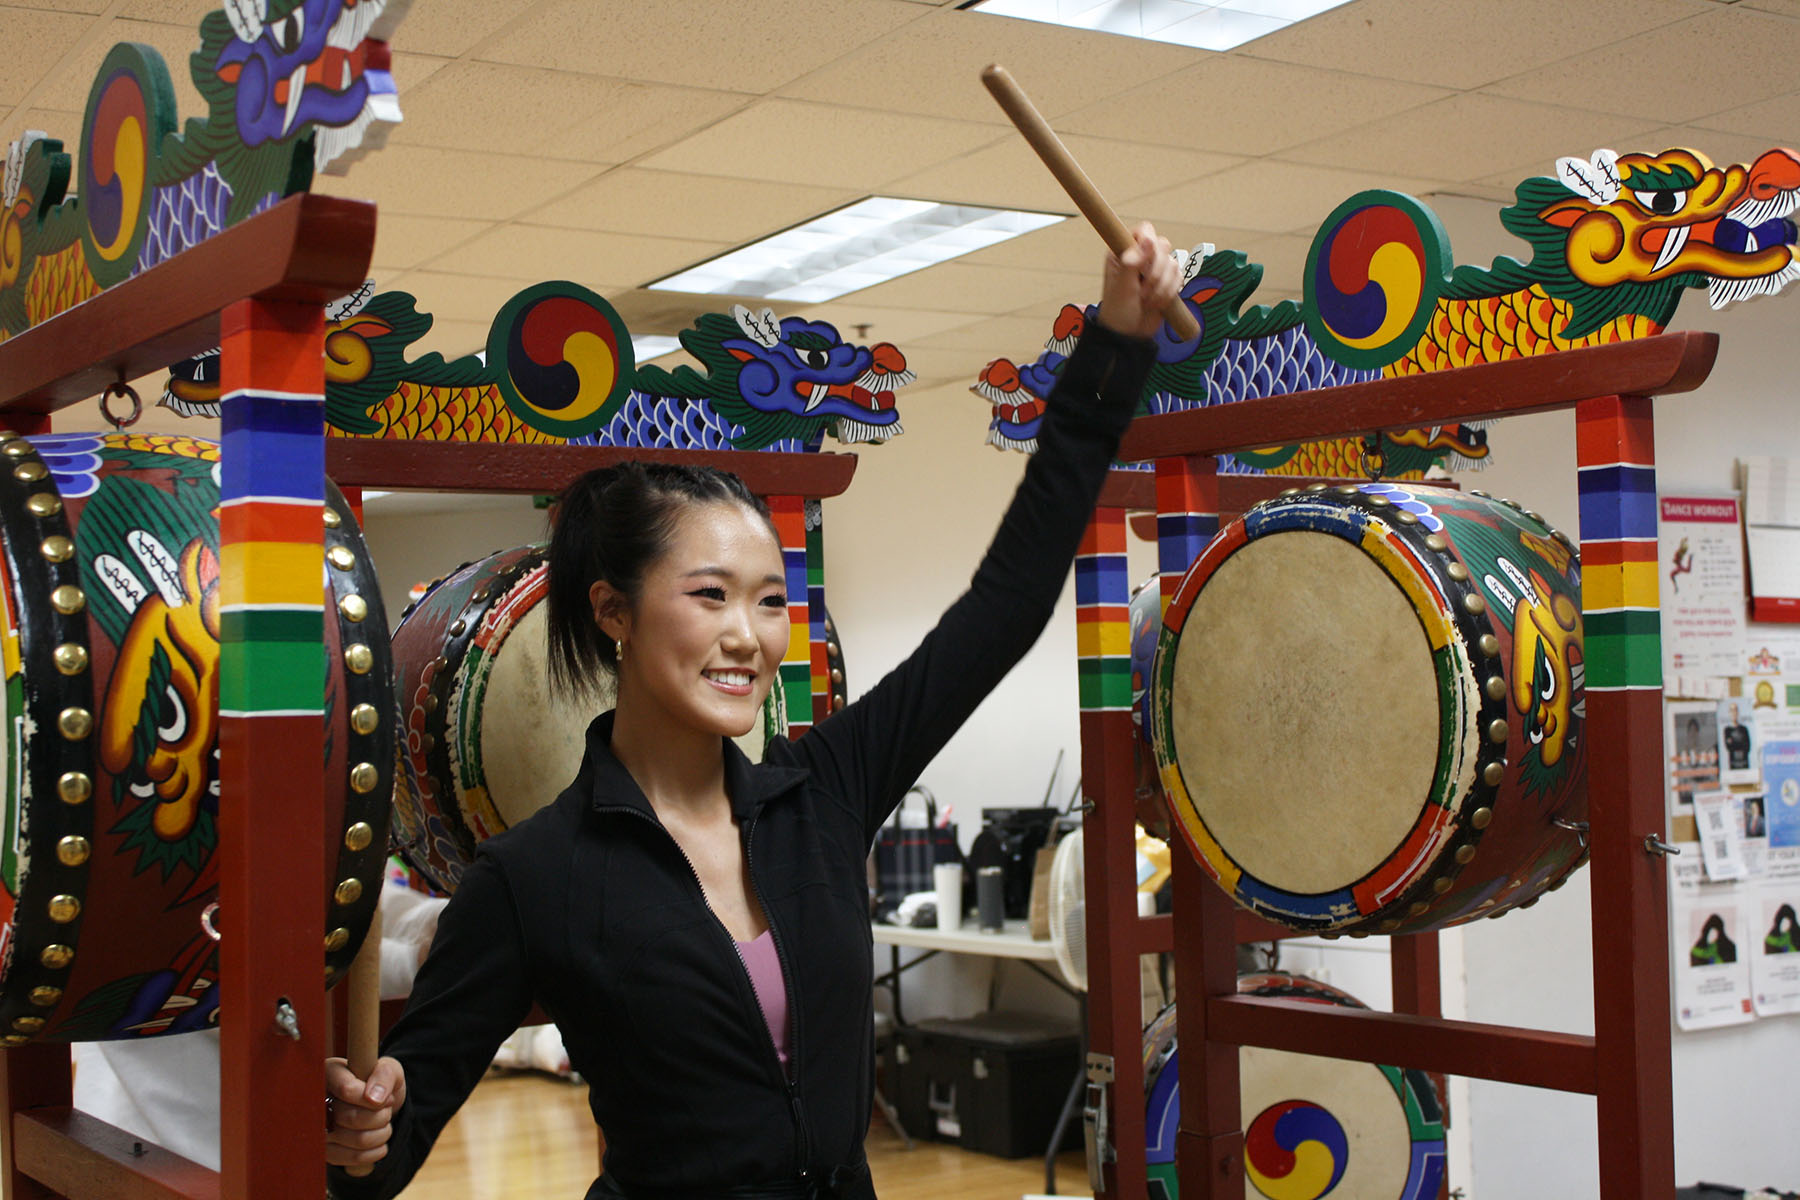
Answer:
(1379, 502)
(18, 448)
(1497, 730)
(348, 892)
(1474, 605)
(1418, 908)
(64, 909)
(30, 472)
(68, 599)
(73, 850)
(45, 997)
(353, 607)
(457, 627)
(1458, 572)
(431, 702)
(337, 939)
(1316, 487)
(1404, 517)
(58, 548)
(1465, 854)
(75, 723)
(1490, 645)
(1346, 489)
(1481, 817)
(332, 520)
(358, 836)
(43, 504)
(1495, 687)
(1436, 544)
(71, 658)
(364, 777)
(1441, 885)
(364, 718)
(56, 957)
(359, 658)
(74, 787)
(1493, 773)
(28, 1024)
(340, 557)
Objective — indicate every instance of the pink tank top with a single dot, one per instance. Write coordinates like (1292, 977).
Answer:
(764, 966)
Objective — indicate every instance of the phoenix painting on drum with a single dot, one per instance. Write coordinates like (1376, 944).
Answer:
(1616, 241)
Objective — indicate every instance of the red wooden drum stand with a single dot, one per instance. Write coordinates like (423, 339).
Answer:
(1626, 1064)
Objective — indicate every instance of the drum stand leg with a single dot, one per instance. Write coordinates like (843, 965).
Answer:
(35, 1076)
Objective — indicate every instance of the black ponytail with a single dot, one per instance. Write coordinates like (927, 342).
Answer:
(612, 524)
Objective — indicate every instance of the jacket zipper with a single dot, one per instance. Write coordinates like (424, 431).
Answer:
(790, 1083)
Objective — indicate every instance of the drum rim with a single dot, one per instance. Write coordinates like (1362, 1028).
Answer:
(1362, 517)
(376, 688)
(47, 693)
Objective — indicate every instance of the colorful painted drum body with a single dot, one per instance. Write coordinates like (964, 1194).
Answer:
(489, 744)
(1313, 1127)
(1368, 708)
(110, 631)
(1145, 616)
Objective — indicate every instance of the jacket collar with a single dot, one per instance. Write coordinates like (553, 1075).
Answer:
(748, 785)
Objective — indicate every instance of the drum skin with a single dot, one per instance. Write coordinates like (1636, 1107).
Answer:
(1368, 708)
(111, 652)
(1313, 1127)
(487, 742)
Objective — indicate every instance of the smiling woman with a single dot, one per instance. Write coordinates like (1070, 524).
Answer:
(697, 924)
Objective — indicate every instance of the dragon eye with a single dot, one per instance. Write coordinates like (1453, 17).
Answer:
(289, 30)
(173, 717)
(1662, 203)
(816, 359)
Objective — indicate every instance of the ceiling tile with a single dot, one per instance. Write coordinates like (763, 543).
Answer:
(453, 27)
(989, 290)
(933, 67)
(52, 35)
(789, 141)
(65, 126)
(171, 12)
(66, 6)
(695, 41)
(1653, 75)
(641, 117)
(595, 260)
(1074, 245)
(1777, 120)
(1465, 136)
(1465, 43)
(494, 106)
(403, 242)
(455, 183)
(1008, 174)
(1268, 196)
(1283, 260)
(1787, 8)
(996, 337)
(1246, 106)
(450, 297)
(633, 200)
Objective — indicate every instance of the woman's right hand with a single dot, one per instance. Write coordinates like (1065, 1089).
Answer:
(362, 1112)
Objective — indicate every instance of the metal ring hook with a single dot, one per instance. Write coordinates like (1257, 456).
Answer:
(1578, 828)
(121, 388)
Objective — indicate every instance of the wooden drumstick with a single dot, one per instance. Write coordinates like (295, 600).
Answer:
(362, 1038)
(1024, 115)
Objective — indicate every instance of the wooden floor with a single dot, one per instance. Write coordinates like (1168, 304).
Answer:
(530, 1136)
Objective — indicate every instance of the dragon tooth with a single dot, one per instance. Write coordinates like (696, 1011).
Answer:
(819, 392)
(296, 88)
(1671, 246)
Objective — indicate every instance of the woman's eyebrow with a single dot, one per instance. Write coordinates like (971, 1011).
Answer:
(724, 573)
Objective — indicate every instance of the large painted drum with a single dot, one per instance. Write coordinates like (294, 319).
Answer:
(1313, 1127)
(489, 745)
(109, 587)
(1368, 708)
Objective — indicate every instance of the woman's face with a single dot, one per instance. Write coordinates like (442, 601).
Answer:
(710, 627)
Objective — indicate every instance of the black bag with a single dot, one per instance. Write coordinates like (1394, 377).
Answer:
(1010, 839)
(904, 857)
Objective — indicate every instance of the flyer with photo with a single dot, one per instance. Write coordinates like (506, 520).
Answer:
(1737, 744)
(1701, 553)
(1775, 949)
(1691, 750)
(1708, 924)
(1781, 782)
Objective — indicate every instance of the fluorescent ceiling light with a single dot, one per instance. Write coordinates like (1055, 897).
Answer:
(1203, 24)
(858, 246)
(645, 347)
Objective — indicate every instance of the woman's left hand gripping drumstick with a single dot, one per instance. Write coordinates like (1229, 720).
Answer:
(1139, 285)
(362, 1111)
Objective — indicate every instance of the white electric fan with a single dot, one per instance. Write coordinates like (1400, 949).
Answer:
(1068, 911)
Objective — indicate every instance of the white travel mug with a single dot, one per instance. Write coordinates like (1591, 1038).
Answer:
(947, 878)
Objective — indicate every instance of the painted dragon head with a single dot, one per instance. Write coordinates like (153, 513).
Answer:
(1620, 233)
(786, 378)
(277, 70)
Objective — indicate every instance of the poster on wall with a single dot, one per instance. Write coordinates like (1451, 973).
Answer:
(1691, 751)
(1722, 821)
(1738, 760)
(1702, 586)
(1781, 779)
(1775, 948)
(1712, 964)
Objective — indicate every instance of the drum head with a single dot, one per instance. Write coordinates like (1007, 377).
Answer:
(1309, 754)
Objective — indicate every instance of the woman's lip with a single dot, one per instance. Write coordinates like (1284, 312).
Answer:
(732, 689)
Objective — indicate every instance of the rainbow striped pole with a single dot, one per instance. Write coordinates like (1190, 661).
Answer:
(1616, 457)
(789, 513)
(815, 599)
(271, 742)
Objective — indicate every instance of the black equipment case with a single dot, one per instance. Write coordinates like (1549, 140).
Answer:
(993, 1083)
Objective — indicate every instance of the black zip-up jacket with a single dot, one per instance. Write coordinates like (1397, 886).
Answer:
(590, 909)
